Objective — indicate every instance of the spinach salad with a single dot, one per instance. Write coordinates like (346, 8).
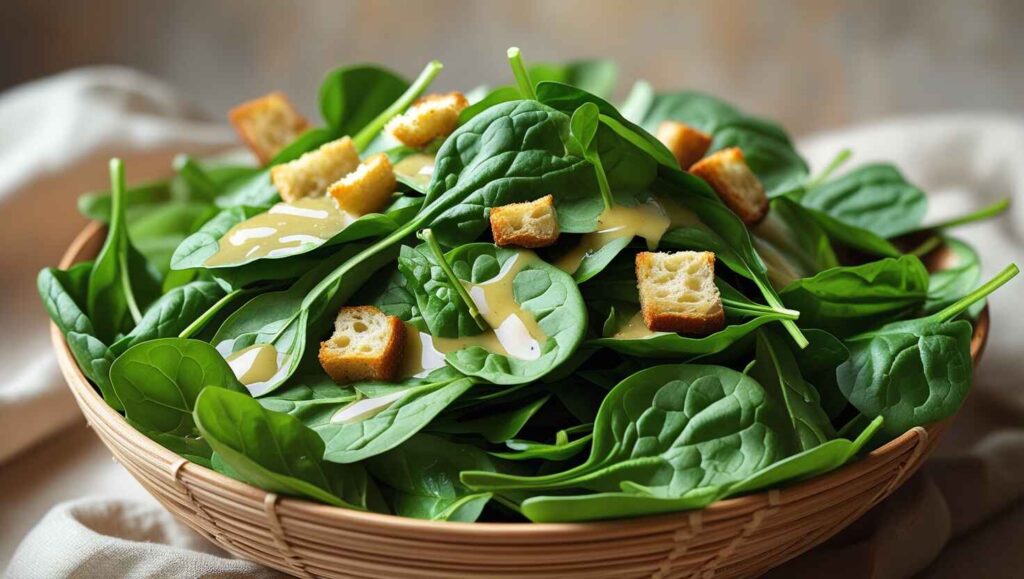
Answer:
(520, 303)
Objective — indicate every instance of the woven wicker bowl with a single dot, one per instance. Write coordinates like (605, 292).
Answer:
(739, 537)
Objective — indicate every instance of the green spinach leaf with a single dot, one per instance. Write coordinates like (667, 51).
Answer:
(374, 425)
(64, 295)
(542, 290)
(917, 371)
(422, 476)
(121, 284)
(767, 148)
(670, 430)
(849, 299)
(275, 451)
(158, 382)
(172, 313)
(873, 197)
(776, 369)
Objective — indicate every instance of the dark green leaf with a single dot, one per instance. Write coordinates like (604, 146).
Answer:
(158, 382)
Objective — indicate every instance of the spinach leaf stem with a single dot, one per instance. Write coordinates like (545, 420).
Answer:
(952, 311)
(836, 162)
(206, 316)
(364, 137)
(515, 59)
(435, 248)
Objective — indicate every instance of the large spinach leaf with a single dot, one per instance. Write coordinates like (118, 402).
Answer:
(204, 243)
(511, 152)
(395, 413)
(64, 295)
(917, 371)
(611, 505)
(275, 451)
(541, 290)
(873, 197)
(158, 382)
(670, 430)
(848, 299)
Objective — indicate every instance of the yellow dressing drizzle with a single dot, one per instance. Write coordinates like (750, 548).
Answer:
(284, 229)
(255, 366)
(515, 332)
(366, 408)
(634, 329)
(417, 168)
(648, 220)
(419, 356)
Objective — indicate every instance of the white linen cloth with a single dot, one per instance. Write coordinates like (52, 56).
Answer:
(960, 513)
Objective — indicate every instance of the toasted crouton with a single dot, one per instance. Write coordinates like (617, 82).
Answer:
(687, 144)
(531, 224)
(728, 174)
(678, 292)
(313, 172)
(367, 344)
(428, 118)
(267, 124)
(367, 189)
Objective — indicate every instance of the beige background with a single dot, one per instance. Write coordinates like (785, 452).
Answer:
(811, 64)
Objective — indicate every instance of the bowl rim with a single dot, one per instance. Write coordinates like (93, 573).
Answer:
(86, 394)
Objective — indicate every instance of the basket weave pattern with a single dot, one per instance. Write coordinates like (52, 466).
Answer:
(739, 537)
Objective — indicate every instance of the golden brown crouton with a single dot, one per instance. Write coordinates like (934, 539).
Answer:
(532, 224)
(728, 174)
(267, 124)
(313, 172)
(428, 118)
(367, 189)
(678, 292)
(686, 143)
(367, 344)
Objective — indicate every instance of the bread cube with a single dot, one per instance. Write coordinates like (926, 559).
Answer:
(678, 292)
(728, 174)
(367, 189)
(311, 174)
(267, 124)
(531, 224)
(429, 118)
(687, 144)
(367, 344)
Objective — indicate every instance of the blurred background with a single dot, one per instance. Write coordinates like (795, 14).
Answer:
(810, 64)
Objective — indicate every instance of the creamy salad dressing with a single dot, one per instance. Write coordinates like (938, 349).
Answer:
(648, 220)
(366, 408)
(634, 329)
(255, 366)
(417, 168)
(515, 332)
(420, 357)
(284, 229)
